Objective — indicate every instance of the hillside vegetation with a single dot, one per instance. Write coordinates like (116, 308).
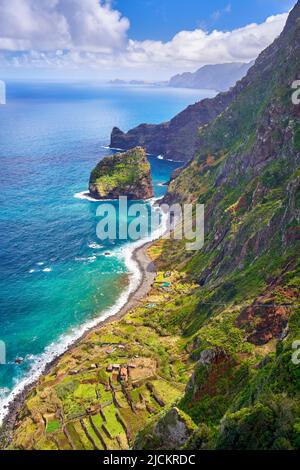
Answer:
(123, 174)
(205, 362)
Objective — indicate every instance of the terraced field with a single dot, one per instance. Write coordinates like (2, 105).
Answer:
(102, 393)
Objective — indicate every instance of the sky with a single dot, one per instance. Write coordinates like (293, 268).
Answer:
(132, 39)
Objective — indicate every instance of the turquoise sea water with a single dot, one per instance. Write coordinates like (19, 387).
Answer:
(53, 272)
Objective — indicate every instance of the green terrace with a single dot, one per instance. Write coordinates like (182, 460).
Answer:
(102, 392)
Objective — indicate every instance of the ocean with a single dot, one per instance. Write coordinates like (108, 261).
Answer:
(55, 280)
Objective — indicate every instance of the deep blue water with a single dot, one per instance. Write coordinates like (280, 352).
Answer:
(53, 276)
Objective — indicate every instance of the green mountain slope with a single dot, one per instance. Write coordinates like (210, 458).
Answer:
(247, 174)
(213, 353)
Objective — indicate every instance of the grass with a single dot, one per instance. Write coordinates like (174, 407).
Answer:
(120, 171)
(53, 426)
(113, 425)
(85, 392)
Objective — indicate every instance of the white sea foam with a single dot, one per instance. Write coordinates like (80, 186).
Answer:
(59, 347)
(106, 147)
(3, 392)
(88, 259)
(95, 246)
(85, 196)
(160, 157)
(47, 270)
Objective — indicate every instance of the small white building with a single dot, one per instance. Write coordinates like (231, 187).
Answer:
(2, 92)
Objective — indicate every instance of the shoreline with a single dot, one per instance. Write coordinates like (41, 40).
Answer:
(148, 274)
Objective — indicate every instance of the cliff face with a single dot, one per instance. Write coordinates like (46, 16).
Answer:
(247, 173)
(246, 169)
(178, 138)
(211, 358)
(125, 174)
(219, 77)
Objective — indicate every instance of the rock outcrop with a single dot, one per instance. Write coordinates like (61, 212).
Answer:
(124, 174)
(231, 312)
(178, 138)
(170, 432)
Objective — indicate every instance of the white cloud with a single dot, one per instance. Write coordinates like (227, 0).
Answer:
(189, 48)
(64, 24)
(91, 35)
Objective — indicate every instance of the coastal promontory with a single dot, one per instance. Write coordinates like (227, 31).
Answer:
(123, 174)
(176, 139)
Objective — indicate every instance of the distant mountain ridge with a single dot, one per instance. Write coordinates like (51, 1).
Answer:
(220, 77)
(211, 356)
(177, 139)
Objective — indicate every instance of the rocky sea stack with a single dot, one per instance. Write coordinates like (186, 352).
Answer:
(124, 174)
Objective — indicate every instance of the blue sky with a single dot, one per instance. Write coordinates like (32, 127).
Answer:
(132, 39)
(162, 19)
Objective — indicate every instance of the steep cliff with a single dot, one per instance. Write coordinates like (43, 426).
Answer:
(220, 77)
(124, 174)
(178, 138)
(211, 358)
(244, 392)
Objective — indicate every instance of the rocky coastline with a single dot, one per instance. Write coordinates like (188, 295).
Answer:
(123, 174)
